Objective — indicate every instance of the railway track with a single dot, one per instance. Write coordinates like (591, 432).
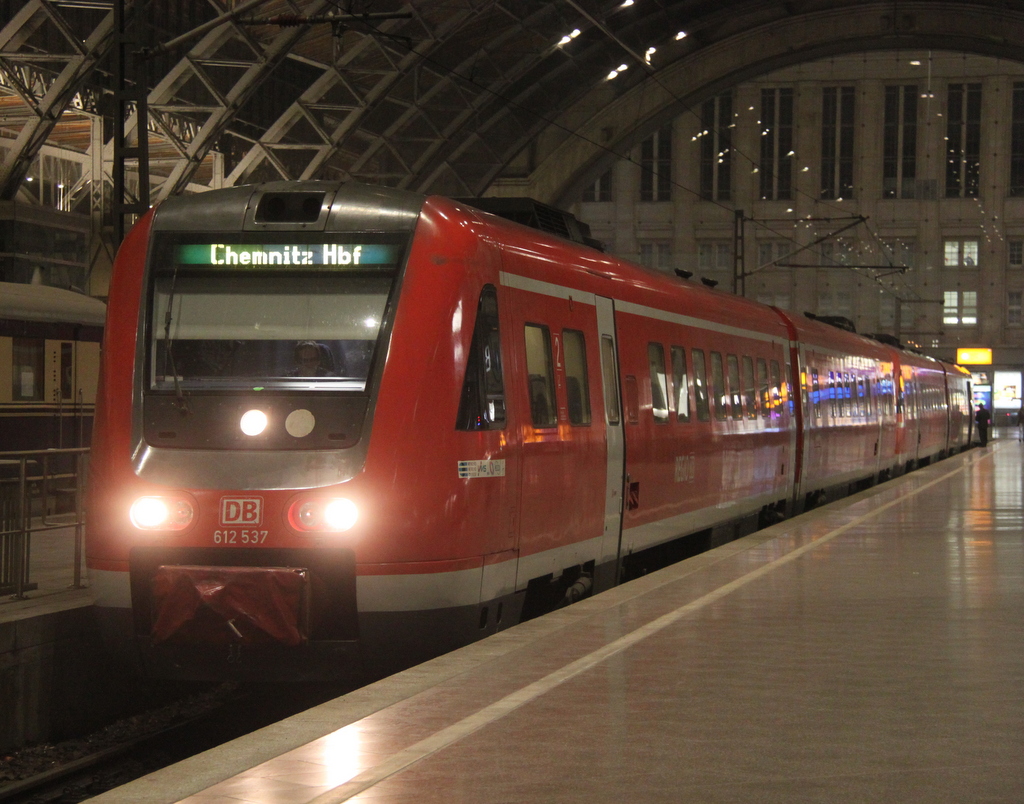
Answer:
(79, 769)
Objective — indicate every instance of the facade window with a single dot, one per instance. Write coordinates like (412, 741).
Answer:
(656, 166)
(656, 255)
(838, 252)
(899, 252)
(960, 253)
(963, 140)
(600, 190)
(1017, 141)
(837, 105)
(899, 142)
(838, 303)
(960, 307)
(780, 300)
(908, 316)
(886, 312)
(714, 255)
(772, 251)
(776, 165)
(1013, 308)
(716, 148)
(1015, 253)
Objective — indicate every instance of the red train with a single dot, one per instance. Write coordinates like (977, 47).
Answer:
(342, 427)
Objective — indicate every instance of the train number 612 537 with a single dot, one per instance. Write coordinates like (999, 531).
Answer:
(239, 536)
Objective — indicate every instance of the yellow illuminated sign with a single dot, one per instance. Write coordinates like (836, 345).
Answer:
(974, 357)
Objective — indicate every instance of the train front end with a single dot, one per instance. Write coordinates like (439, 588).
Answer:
(249, 328)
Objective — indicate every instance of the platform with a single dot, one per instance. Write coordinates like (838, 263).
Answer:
(869, 651)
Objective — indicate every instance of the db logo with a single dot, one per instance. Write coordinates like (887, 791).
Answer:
(241, 510)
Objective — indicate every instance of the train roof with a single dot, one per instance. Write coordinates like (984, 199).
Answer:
(605, 275)
(20, 302)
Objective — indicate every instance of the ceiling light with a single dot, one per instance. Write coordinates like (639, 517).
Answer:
(680, 35)
(569, 37)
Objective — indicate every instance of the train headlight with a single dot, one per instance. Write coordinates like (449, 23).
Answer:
(253, 422)
(161, 513)
(324, 514)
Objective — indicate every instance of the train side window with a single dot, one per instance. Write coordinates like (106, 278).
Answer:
(632, 400)
(27, 377)
(833, 404)
(816, 393)
(680, 383)
(540, 376)
(749, 390)
(577, 388)
(700, 385)
(482, 406)
(659, 383)
(611, 382)
(735, 390)
(718, 385)
(67, 371)
(776, 389)
(763, 388)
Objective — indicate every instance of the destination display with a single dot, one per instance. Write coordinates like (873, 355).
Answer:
(287, 255)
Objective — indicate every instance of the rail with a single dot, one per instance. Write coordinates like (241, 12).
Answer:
(40, 491)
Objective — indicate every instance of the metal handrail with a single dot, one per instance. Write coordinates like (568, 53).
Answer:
(27, 486)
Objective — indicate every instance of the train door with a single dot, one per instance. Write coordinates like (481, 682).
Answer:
(615, 460)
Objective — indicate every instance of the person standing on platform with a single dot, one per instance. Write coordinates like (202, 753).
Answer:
(983, 418)
(1020, 422)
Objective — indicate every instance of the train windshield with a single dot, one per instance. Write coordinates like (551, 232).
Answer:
(282, 316)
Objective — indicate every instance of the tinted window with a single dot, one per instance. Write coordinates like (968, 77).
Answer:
(700, 385)
(718, 384)
(659, 383)
(680, 383)
(763, 389)
(749, 393)
(734, 386)
(577, 389)
(611, 383)
(539, 375)
(482, 406)
(27, 376)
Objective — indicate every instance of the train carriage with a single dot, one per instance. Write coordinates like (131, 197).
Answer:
(343, 427)
(958, 402)
(49, 363)
(847, 426)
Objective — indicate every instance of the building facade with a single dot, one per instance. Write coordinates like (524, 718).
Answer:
(887, 188)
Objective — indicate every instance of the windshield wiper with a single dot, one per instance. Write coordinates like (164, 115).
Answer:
(181, 403)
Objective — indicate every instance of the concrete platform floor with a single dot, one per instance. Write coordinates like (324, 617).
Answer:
(869, 651)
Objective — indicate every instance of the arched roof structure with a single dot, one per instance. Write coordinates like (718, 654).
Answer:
(445, 96)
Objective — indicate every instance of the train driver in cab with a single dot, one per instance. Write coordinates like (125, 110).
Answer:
(313, 359)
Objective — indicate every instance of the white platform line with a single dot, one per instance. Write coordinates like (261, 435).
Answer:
(497, 710)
